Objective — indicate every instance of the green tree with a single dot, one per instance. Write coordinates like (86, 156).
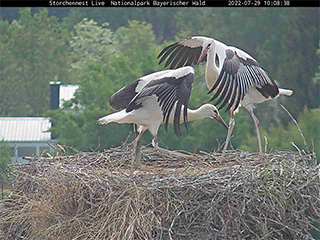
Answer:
(5, 160)
(33, 52)
(90, 43)
(117, 17)
(316, 79)
(99, 78)
(162, 20)
(137, 43)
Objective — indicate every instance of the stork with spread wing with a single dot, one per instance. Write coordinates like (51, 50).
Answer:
(235, 77)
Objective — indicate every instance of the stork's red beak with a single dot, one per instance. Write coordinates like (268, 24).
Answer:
(202, 55)
(220, 120)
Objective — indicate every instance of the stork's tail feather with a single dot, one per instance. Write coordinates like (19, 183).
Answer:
(286, 92)
(114, 117)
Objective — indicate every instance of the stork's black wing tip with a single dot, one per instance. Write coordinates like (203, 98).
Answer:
(210, 91)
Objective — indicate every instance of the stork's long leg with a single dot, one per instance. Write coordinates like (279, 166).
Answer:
(174, 153)
(230, 130)
(136, 154)
(256, 124)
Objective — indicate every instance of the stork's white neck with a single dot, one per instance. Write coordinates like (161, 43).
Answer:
(203, 111)
(199, 113)
(196, 114)
(211, 69)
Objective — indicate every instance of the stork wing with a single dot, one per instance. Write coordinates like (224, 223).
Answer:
(171, 89)
(121, 98)
(183, 53)
(239, 73)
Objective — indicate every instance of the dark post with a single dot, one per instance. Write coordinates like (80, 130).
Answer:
(54, 95)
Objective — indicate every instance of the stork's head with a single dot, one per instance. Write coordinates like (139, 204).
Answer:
(212, 112)
(207, 46)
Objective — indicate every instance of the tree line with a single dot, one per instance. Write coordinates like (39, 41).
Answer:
(103, 49)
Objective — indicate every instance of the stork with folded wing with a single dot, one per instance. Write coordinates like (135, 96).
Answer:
(155, 99)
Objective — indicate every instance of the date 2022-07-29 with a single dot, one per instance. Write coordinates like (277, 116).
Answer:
(259, 3)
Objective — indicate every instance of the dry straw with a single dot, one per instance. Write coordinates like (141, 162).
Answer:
(96, 195)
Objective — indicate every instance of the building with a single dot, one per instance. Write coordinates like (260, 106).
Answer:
(60, 93)
(27, 136)
(30, 136)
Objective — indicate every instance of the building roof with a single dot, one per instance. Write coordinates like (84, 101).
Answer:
(24, 129)
(66, 93)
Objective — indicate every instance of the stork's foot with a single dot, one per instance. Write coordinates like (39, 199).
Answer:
(223, 153)
(261, 154)
(223, 159)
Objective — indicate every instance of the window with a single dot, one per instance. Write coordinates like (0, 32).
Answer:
(26, 151)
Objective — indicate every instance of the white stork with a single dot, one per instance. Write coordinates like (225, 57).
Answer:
(157, 99)
(235, 76)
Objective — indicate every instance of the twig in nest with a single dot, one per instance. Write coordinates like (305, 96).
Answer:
(98, 138)
(299, 129)
(266, 144)
(170, 229)
(296, 147)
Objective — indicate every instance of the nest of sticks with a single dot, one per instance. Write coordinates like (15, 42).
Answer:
(97, 195)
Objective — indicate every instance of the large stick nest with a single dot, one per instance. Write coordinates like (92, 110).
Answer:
(96, 195)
